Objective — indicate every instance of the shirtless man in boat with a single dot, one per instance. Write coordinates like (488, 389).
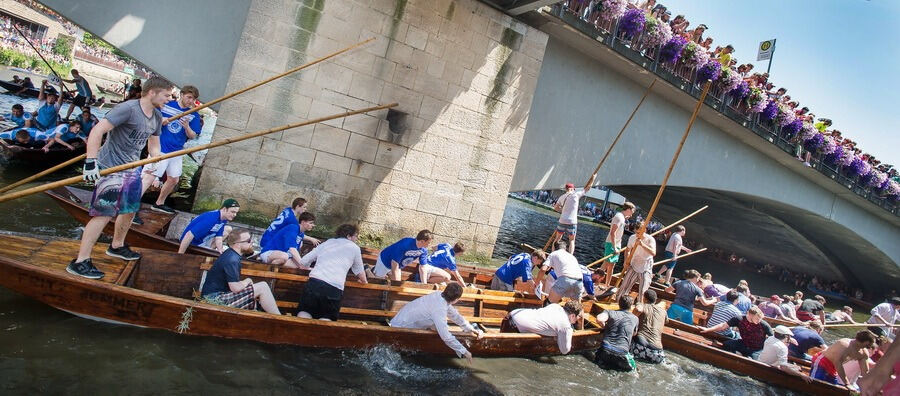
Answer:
(828, 365)
(128, 127)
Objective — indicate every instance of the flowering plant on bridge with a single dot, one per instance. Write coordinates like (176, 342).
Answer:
(729, 80)
(709, 71)
(770, 111)
(741, 90)
(848, 158)
(828, 146)
(812, 144)
(835, 156)
(757, 100)
(790, 130)
(632, 22)
(655, 33)
(672, 49)
(877, 178)
(808, 131)
(613, 9)
(893, 190)
(785, 115)
(693, 55)
(858, 167)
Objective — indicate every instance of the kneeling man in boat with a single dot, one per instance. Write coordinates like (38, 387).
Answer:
(517, 267)
(283, 248)
(431, 312)
(775, 352)
(287, 217)
(402, 253)
(828, 365)
(441, 264)
(569, 281)
(223, 284)
(321, 298)
(210, 228)
(63, 134)
(554, 320)
(619, 329)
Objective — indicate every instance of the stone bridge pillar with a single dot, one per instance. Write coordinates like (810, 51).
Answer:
(463, 73)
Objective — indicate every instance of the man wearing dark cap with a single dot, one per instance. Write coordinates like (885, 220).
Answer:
(208, 229)
(567, 206)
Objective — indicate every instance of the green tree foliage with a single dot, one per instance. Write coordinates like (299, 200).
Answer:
(63, 46)
(96, 42)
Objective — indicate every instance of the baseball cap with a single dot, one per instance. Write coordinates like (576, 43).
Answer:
(781, 329)
(570, 185)
(895, 300)
(776, 297)
(230, 203)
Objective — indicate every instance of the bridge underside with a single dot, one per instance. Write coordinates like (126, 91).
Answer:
(772, 232)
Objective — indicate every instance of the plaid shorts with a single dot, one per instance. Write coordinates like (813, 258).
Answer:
(243, 299)
(117, 193)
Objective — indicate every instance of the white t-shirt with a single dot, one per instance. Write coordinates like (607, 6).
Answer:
(619, 221)
(887, 311)
(550, 321)
(564, 264)
(432, 311)
(674, 243)
(774, 352)
(569, 203)
(642, 260)
(333, 258)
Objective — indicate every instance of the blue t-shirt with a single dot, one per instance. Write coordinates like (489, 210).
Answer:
(205, 227)
(743, 303)
(35, 134)
(86, 126)
(585, 279)
(173, 136)
(806, 338)
(518, 266)
(286, 217)
(443, 257)
(20, 121)
(63, 132)
(227, 268)
(284, 239)
(403, 252)
(47, 114)
(686, 292)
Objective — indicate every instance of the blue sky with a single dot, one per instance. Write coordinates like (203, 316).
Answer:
(838, 57)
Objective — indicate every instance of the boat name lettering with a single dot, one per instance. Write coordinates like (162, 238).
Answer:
(126, 306)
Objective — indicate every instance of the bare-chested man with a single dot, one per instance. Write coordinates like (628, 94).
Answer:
(828, 365)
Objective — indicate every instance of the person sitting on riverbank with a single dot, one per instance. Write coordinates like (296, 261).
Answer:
(614, 240)
(647, 343)
(809, 339)
(209, 229)
(828, 365)
(772, 308)
(441, 264)
(843, 315)
(725, 311)
(518, 267)
(641, 265)
(17, 115)
(569, 282)
(402, 253)
(47, 113)
(775, 352)
(554, 320)
(619, 327)
(432, 311)
(812, 308)
(673, 249)
(687, 291)
(886, 313)
(283, 248)
(321, 298)
(222, 284)
(752, 329)
(287, 217)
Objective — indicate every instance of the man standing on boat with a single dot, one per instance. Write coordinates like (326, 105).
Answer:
(570, 281)
(223, 285)
(209, 229)
(322, 295)
(641, 265)
(173, 136)
(567, 206)
(84, 92)
(401, 254)
(287, 217)
(554, 320)
(614, 239)
(283, 248)
(886, 313)
(673, 249)
(432, 311)
(517, 267)
(130, 126)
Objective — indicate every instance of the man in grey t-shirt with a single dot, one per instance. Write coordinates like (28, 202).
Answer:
(128, 126)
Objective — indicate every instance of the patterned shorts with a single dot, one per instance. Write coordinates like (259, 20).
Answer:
(117, 193)
(243, 299)
(568, 229)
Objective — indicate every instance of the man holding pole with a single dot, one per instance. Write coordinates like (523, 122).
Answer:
(614, 239)
(84, 92)
(673, 248)
(130, 126)
(567, 205)
(641, 266)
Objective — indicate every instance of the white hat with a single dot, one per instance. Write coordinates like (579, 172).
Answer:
(780, 329)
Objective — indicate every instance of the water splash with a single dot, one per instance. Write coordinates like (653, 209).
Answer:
(387, 364)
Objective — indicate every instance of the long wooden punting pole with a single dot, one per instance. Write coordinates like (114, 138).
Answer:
(135, 164)
(588, 184)
(828, 326)
(660, 262)
(195, 109)
(681, 220)
(662, 187)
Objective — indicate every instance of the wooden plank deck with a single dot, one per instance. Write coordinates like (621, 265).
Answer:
(56, 254)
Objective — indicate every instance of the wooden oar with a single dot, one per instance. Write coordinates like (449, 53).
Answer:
(130, 165)
(662, 187)
(193, 110)
(669, 259)
(681, 220)
(590, 181)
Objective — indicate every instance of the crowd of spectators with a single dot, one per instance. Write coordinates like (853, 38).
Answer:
(687, 51)
(12, 40)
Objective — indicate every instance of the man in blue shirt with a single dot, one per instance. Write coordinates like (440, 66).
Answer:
(283, 248)
(441, 264)
(223, 285)
(402, 253)
(208, 229)
(63, 134)
(743, 302)
(18, 115)
(517, 267)
(807, 338)
(173, 136)
(48, 109)
(87, 120)
(287, 217)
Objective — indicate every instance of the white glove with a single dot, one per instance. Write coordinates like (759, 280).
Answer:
(91, 171)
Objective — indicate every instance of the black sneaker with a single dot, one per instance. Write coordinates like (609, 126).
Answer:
(122, 252)
(85, 269)
(163, 208)
(137, 220)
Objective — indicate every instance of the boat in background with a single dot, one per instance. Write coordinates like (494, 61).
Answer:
(834, 296)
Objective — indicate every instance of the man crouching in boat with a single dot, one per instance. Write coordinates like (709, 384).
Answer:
(210, 228)
(569, 282)
(400, 254)
(431, 312)
(775, 352)
(553, 320)
(517, 267)
(127, 127)
(321, 298)
(619, 328)
(828, 365)
(223, 285)
(441, 264)
(283, 248)
(647, 344)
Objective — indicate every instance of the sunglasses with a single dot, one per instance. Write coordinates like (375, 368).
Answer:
(244, 241)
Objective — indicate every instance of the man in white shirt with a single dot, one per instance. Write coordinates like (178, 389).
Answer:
(567, 206)
(553, 320)
(569, 280)
(886, 313)
(614, 239)
(431, 312)
(673, 249)
(641, 266)
(775, 352)
(322, 294)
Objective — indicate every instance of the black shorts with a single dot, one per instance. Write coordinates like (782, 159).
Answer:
(612, 361)
(878, 331)
(321, 300)
(79, 101)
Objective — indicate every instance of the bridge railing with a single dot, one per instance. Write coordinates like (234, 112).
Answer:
(685, 78)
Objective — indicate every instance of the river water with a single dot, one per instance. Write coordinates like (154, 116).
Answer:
(49, 351)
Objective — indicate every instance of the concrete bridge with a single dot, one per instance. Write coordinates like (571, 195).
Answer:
(490, 104)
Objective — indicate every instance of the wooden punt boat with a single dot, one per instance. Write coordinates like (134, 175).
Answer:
(11, 151)
(156, 292)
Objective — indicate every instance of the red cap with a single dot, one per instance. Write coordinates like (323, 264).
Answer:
(775, 297)
(570, 185)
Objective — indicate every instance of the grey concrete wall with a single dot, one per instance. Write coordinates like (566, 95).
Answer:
(189, 42)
